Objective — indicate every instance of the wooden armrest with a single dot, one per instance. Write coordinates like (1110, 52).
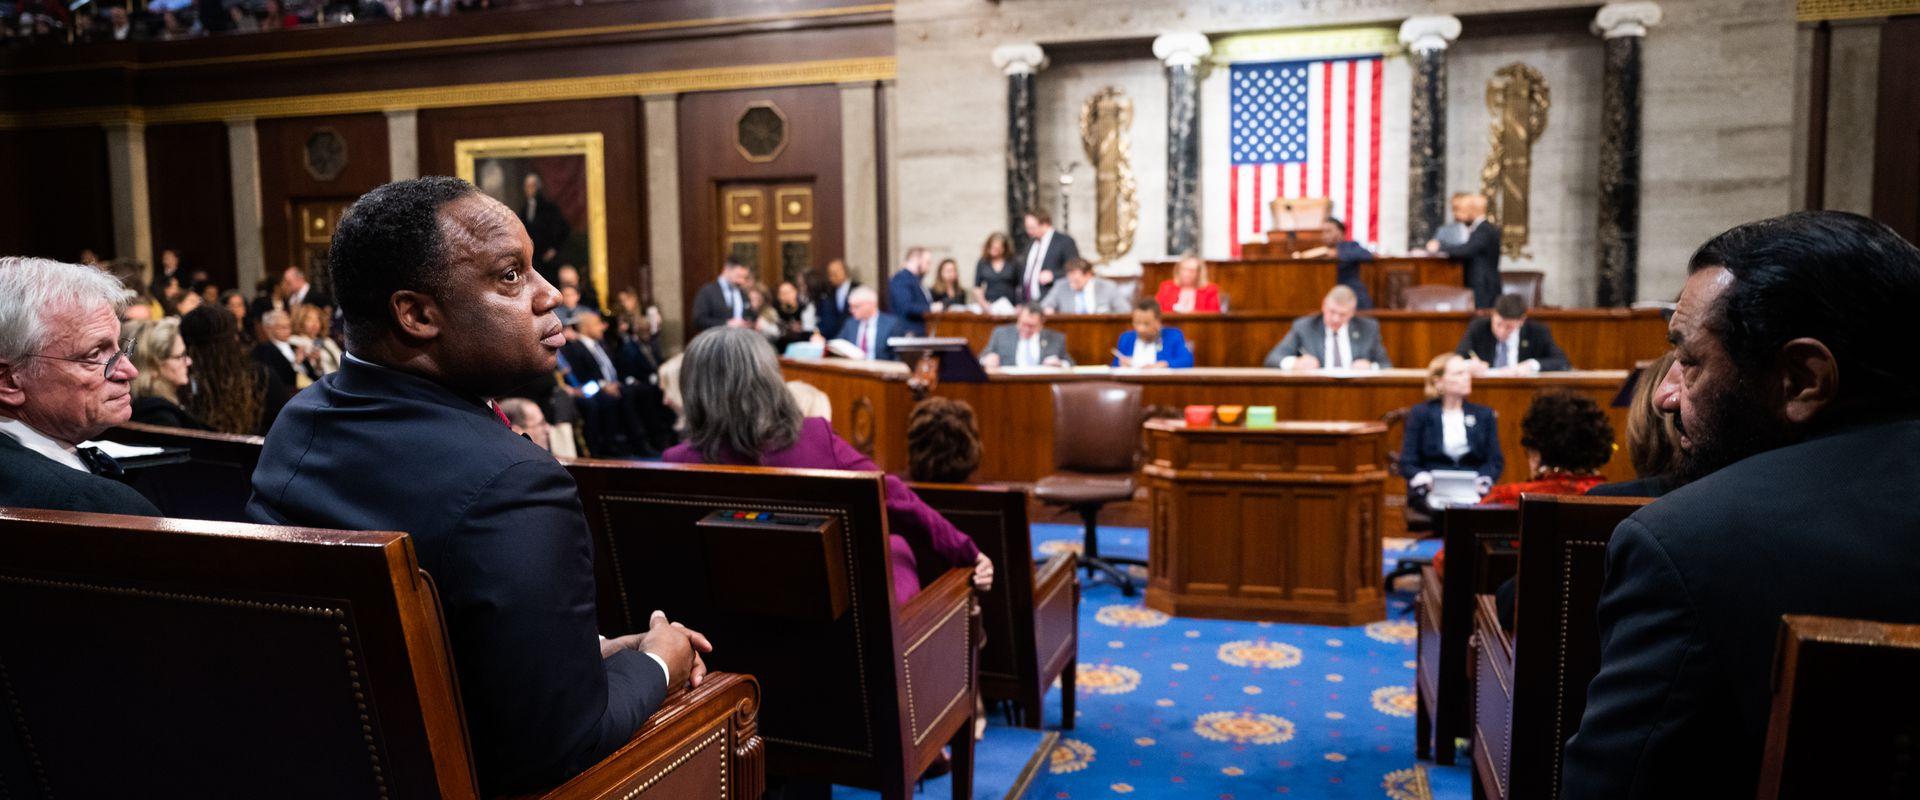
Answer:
(935, 601)
(1061, 567)
(683, 733)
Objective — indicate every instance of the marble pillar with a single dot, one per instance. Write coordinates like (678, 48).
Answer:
(403, 144)
(1426, 40)
(1021, 63)
(127, 180)
(1183, 54)
(860, 184)
(662, 128)
(1624, 26)
(243, 167)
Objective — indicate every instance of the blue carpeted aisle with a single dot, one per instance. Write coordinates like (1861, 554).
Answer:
(1214, 709)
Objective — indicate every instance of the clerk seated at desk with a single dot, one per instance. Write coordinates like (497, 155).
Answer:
(869, 328)
(1347, 255)
(1149, 344)
(1447, 432)
(1026, 343)
(1188, 291)
(1511, 344)
(1082, 293)
(1331, 339)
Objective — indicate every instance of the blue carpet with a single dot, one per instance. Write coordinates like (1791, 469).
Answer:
(999, 761)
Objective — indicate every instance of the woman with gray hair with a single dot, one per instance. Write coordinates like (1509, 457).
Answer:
(738, 411)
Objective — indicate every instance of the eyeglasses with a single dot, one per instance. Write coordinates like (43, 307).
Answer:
(125, 352)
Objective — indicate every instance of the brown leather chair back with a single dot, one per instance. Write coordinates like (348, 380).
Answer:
(1524, 282)
(862, 698)
(172, 658)
(1836, 729)
(1096, 426)
(1436, 297)
(214, 483)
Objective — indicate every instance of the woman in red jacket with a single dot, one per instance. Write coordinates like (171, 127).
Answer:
(1188, 291)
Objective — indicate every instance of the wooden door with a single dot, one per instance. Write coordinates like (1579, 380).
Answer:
(769, 227)
(314, 221)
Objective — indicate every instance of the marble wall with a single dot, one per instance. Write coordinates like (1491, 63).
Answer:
(1718, 109)
(1062, 90)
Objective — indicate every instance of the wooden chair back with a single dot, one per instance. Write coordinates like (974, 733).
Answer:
(863, 693)
(1032, 615)
(214, 484)
(1841, 725)
(1480, 556)
(1525, 709)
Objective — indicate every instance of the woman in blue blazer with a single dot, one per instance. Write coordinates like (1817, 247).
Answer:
(1149, 344)
(1447, 432)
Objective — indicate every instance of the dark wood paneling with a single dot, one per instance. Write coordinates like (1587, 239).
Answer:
(708, 158)
(1818, 80)
(1896, 157)
(189, 190)
(617, 119)
(284, 178)
(58, 199)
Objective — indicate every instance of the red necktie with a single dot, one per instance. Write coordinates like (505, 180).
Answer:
(501, 415)
(863, 337)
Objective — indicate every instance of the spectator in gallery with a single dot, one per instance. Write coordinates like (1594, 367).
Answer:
(277, 352)
(294, 285)
(869, 328)
(274, 16)
(235, 304)
(1447, 432)
(1083, 293)
(1026, 343)
(546, 226)
(527, 420)
(996, 276)
(1510, 344)
(907, 295)
(830, 302)
(1568, 439)
(313, 337)
(1149, 344)
(165, 374)
(1347, 255)
(119, 24)
(1047, 255)
(569, 275)
(948, 292)
(64, 380)
(1653, 435)
(943, 441)
(724, 301)
(615, 425)
(232, 392)
(1333, 339)
(169, 269)
(569, 305)
(739, 411)
(243, 20)
(1188, 291)
(1479, 252)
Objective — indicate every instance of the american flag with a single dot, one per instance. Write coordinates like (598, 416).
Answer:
(1305, 129)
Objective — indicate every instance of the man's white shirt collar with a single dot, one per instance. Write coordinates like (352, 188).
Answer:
(41, 443)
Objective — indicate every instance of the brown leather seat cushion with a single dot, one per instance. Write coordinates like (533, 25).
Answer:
(1071, 488)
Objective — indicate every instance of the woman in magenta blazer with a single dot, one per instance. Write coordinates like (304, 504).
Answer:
(739, 412)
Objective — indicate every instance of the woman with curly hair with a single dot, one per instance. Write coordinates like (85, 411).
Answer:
(1568, 439)
(943, 441)
(232, 392)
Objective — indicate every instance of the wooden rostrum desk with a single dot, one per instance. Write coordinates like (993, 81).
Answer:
(1278, 523)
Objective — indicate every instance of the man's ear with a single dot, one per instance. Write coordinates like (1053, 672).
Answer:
(1809, 379)
(416, 314)
(12, 394)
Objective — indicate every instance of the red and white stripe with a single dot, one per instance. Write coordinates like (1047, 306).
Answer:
(1343, 157)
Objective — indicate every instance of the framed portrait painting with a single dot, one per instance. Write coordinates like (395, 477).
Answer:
(557, 186)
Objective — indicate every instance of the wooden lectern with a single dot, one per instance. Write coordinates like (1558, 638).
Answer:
(1296, 226)
(1278, 524)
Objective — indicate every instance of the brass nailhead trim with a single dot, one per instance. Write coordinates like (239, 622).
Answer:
(682, 759)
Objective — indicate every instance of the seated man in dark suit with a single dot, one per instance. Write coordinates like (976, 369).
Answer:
(724, 301)
(277, 352)
(1026, 343)
(615, 426)
(1511, 344)
(64, 378)
(1331, 339)
(444, 310)
(1799, 413)
(869, 328)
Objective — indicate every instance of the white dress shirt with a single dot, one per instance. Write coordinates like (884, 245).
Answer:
(1453, 434)
(735, 299)
(607, 373)
(1035, 255)
(1085, 301)
(1028, 353)
(41, 443)
(1339, 354)
(1512, 354)
(286, 351)
(1145, 353)
(864, 337)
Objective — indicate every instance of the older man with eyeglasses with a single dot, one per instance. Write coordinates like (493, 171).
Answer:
(64, 378)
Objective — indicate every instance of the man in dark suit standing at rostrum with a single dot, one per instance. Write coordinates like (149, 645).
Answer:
(63, 380)
(1480, 253)
(1799, 411)
(546, 225)
(1511, 344)
(1046, 259)
(724, 301)
(907, 296)
(445, 311)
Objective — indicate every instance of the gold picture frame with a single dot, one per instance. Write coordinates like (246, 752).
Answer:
(467, 153)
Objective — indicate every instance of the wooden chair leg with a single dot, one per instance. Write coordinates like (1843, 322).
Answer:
(1068, 677)
(962, 761)
(1422, 727)
(1443, 749)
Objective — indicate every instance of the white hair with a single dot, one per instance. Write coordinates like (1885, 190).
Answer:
(863, 293)
(274, 317)
(34, 289)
